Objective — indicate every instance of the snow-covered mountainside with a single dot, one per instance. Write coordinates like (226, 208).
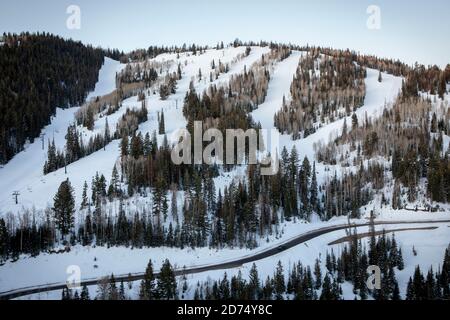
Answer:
(24, 172)
(208, 216)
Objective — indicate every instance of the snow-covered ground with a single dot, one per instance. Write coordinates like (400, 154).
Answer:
(430, 246)
(24, 174)
(96, 262)
(51, 268)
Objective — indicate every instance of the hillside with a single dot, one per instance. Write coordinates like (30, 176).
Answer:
(102, 182)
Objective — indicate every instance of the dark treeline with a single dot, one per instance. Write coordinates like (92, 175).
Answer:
(31, 239)
(114, 54)
(154, 286)
(148, 74)
(39, 73)
(301, 284)
(153, 51)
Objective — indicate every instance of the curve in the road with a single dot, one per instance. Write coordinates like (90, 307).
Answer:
(16, 293)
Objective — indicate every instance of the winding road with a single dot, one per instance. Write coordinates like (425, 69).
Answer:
(16, 293)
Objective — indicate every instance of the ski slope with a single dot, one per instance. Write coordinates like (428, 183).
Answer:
(279, 86)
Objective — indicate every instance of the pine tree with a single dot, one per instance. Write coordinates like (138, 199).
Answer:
(158, 196)
(84, 197)
(89, 120)
(113, 293)
(85, 293)
(167, 285)
(124, 145)
(114, 189)
(253, 284)
(431, 288)
(344, 129)
(279, 282)
(4, 236)
(52, 162)
(396, 292)
(137, 146)
(147, 145)
(314, 198)
(442, 86)
(224, 288)
(122, 295)
(179, 72)
(66, 294)
(162, 125)
(354, 122)
(318, 274)
(164, 206)
(107, 134)
(268, 289)
(88, 230)
(154, 142)
(410, 293)
(103, 289)
(418, 283)
(64, 207)
(174, 206)
(327, 289)
(148, 284)
(305, 174)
